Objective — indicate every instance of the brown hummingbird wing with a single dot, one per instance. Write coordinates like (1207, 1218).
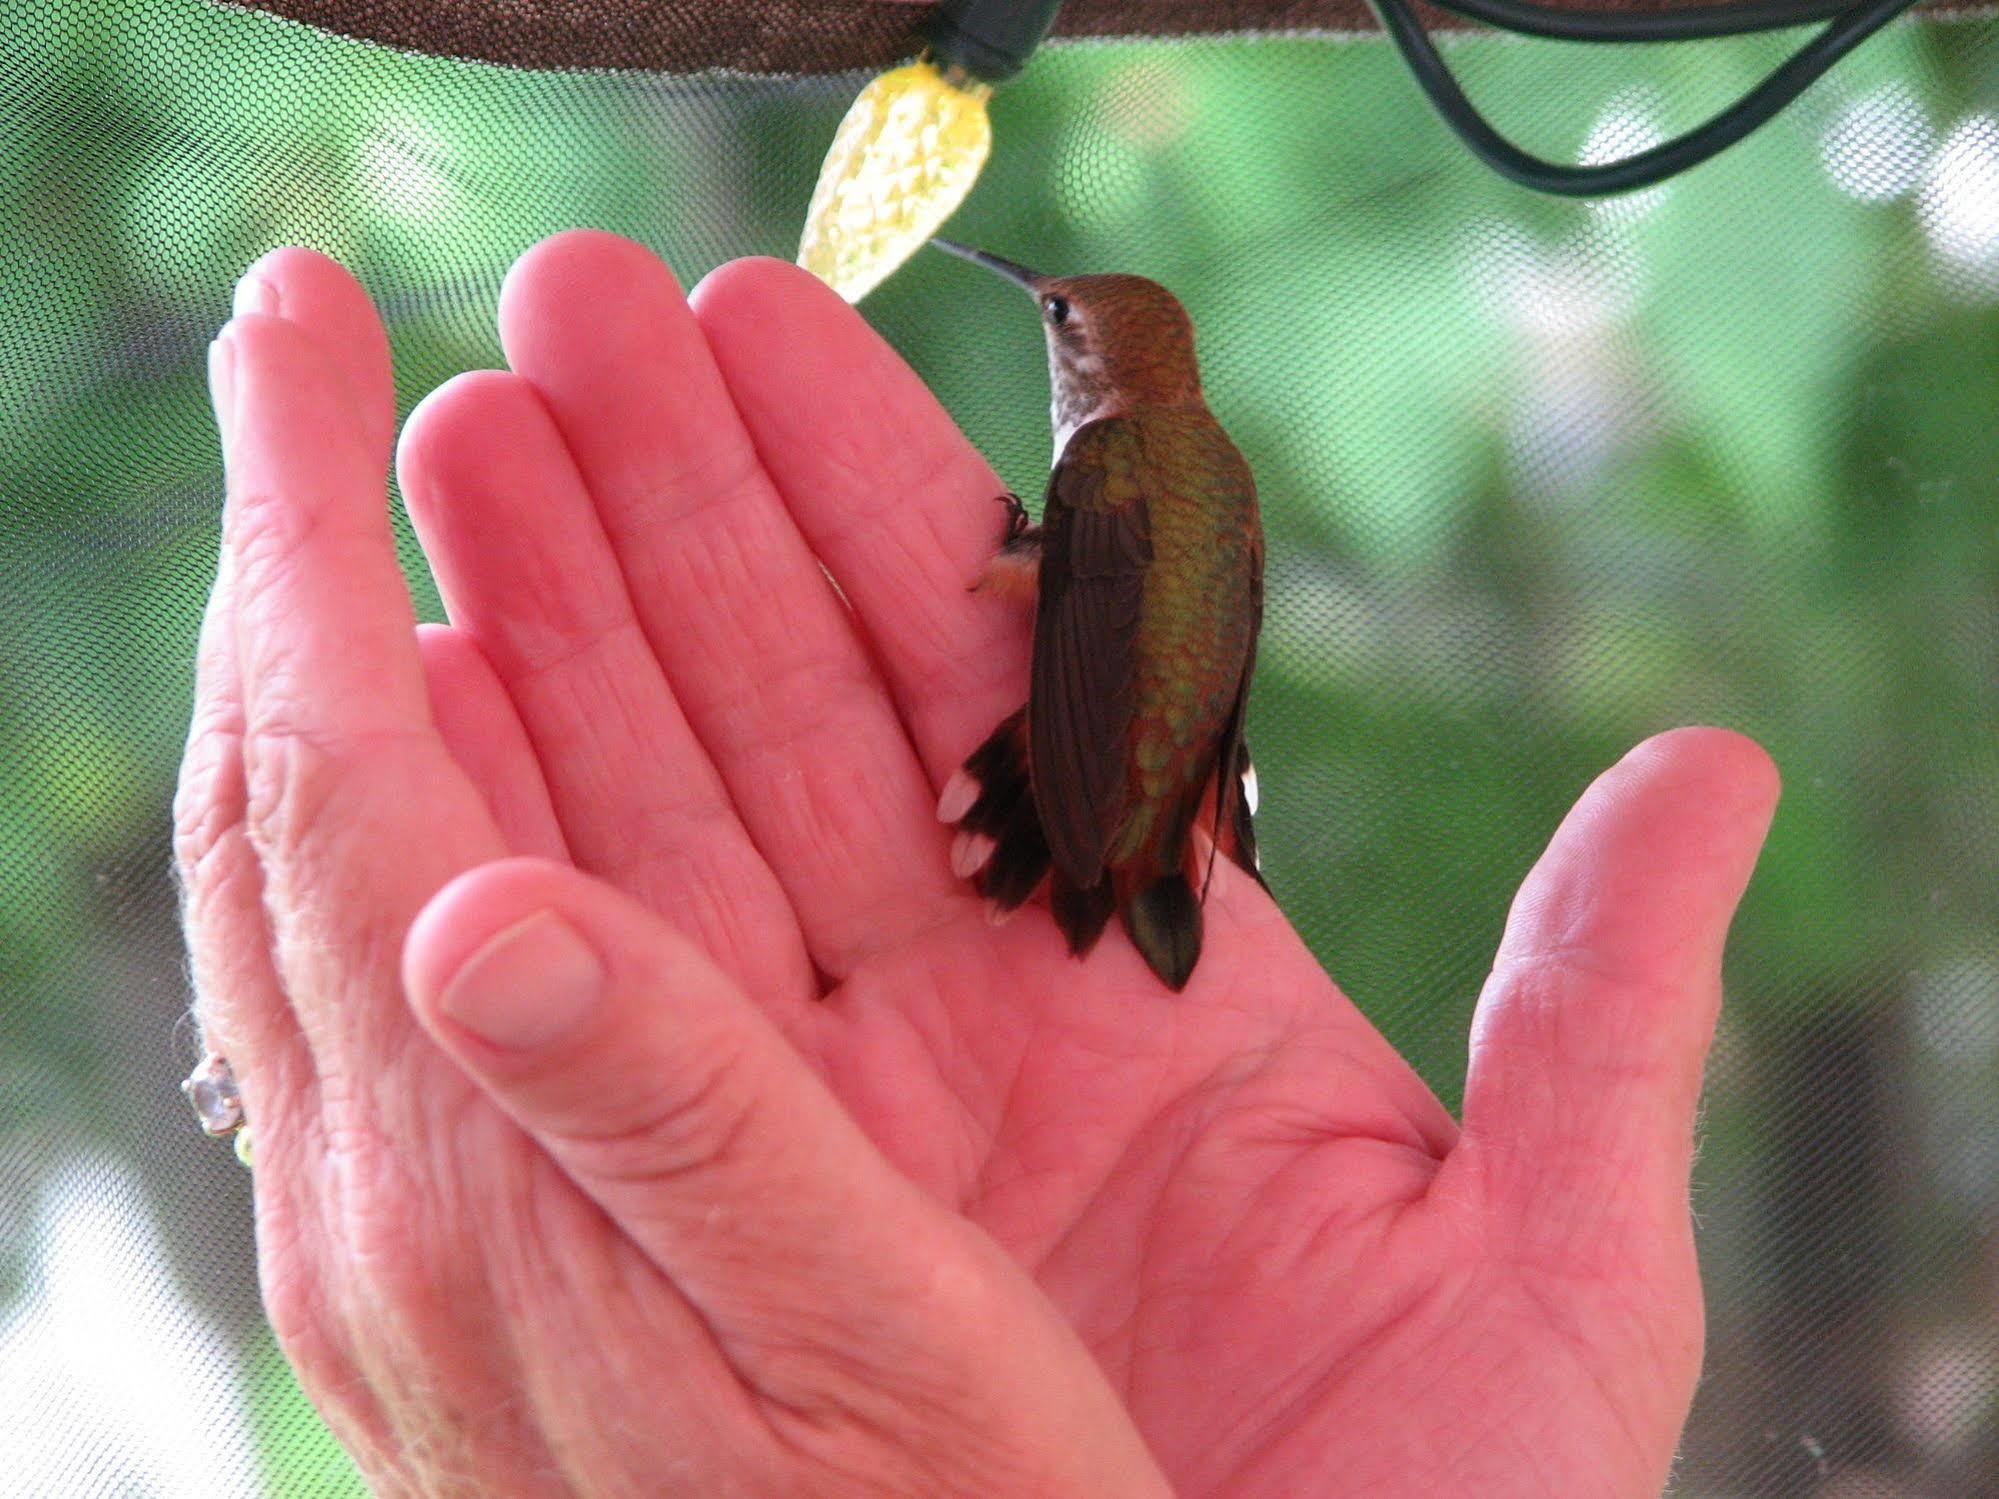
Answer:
(1096, 544)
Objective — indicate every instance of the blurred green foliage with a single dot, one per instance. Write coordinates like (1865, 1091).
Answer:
(1540, 477)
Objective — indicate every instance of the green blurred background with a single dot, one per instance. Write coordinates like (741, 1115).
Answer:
(1540, 478)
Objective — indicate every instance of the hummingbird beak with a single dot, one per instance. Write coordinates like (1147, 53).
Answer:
(1019, 275)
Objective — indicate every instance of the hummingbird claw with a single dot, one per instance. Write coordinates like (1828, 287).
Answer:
(997, 915)
(1016, 514)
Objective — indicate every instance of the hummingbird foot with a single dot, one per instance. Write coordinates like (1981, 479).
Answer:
(1015, 570)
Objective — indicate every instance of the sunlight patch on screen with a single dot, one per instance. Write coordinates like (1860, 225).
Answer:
(1628, 125)
(1877, 147)
(1959, 204)
(102, 1343)
(402, 165)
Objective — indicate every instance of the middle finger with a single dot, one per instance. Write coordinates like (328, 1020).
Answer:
(761, 653)
(524, 568)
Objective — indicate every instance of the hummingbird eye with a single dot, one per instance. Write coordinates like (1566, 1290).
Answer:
(1058, 310)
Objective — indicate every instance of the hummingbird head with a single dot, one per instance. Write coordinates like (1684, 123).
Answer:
(1114, 342)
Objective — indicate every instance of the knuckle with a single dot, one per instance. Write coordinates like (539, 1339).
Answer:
(691, 1125)
(208, 802)
(715, 476)
(384, 1238)
(293, 781)
(265, 531)
(304, 786)
(701, 874)
(1583, 1013)
(204, 846)
(221, 894)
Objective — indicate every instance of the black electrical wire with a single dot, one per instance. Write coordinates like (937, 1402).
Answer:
(1687, 23)
(1793, 77)
(990, 39)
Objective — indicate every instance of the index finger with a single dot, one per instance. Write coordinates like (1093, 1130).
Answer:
(355, 807)
(888, 492)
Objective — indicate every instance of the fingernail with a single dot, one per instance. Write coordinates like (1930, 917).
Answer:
(222, 387)
(527, 985)
(255, 294)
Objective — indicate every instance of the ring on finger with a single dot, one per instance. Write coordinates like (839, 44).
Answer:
(217, 1102)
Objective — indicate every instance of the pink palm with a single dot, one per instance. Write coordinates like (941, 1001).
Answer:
(1293, 1267)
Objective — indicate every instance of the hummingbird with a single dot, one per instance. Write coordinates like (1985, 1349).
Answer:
(1125, 772)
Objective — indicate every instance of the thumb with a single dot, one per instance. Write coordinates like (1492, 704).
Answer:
(1592, 1032)
(660, 1090)
(830, 1282)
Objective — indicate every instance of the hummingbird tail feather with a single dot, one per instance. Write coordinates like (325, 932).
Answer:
(999, 845)
(1164, 920)
(1082, 914)
(1162, 889)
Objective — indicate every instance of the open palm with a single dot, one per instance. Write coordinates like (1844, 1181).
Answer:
(1297, 1273)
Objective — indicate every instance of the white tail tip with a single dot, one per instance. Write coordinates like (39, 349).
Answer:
(970, 852)
(959, 794)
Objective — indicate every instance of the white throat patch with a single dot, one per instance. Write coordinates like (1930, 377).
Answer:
(1064, 430)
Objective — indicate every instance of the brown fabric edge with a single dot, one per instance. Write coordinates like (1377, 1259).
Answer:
(786, 36)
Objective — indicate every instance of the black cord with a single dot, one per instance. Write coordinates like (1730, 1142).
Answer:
(1798, 73)
(1733, 18)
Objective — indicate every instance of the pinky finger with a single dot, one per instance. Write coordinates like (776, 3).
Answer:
(476, 717)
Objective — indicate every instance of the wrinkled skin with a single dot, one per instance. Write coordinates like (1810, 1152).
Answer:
(834, 1188)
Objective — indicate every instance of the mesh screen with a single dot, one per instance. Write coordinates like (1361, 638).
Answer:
(1540, 477)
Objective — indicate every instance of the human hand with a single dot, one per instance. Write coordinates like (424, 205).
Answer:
(763, 1218)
